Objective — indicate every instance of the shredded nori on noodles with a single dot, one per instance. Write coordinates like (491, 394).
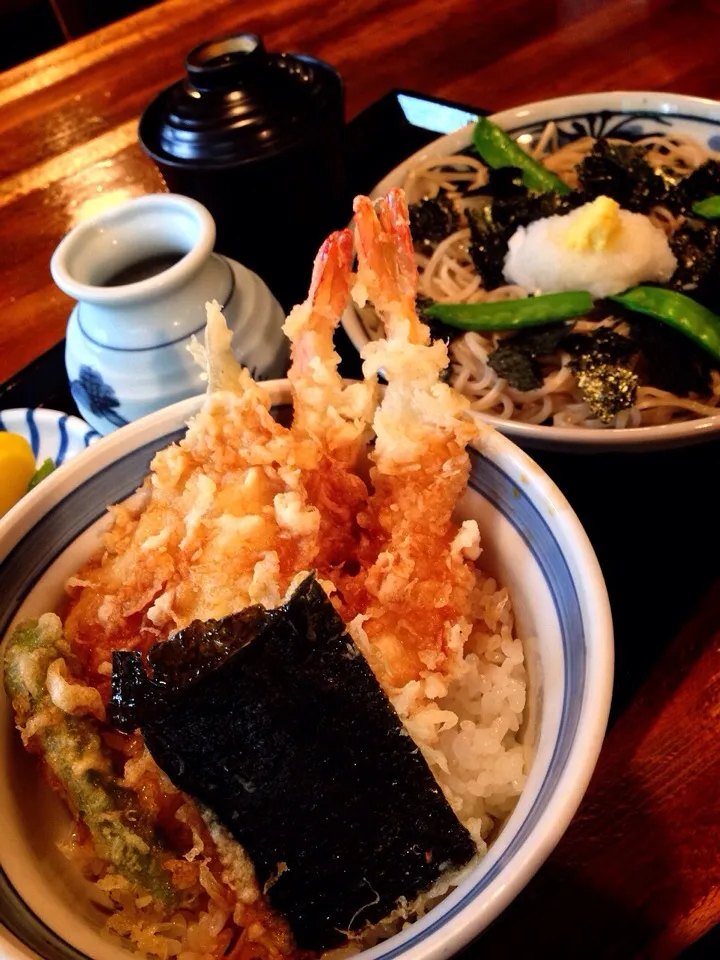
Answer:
(606, 388)
(600, 346)
(503, 183)
(702, 183)
(520, 369)
(432, 219)
(696, 246)
(515, 358)
(280, 728)
(600, 361)
(602, 364)
(668, 360)
(487, 249)
(506, 215)
(543, 341)
(621, 172)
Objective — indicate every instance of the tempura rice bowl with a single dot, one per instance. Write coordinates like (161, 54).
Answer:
(532, 542)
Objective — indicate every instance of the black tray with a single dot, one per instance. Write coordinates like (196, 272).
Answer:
(652, 518)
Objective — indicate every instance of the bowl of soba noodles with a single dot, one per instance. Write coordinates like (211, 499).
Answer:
(568, 253)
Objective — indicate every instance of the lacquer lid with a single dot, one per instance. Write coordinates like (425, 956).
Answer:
(240, 104)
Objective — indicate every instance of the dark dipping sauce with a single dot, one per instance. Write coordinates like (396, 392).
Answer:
(144, 269)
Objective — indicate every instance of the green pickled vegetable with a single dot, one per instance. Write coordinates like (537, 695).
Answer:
(73, 750)
(44, 470)
(678, 311)
(512, 314)
(497, 149)
(709, 208)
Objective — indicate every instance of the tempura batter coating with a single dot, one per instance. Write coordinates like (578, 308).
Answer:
(332, 415)
(419, 610)
(222, 521)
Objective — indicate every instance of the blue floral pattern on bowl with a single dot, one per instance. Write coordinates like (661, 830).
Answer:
(604, 123)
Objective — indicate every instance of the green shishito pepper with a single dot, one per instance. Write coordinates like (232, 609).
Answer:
(709, 208)
(678, 311)
(512, 314)
(74, 752)
(497, 149)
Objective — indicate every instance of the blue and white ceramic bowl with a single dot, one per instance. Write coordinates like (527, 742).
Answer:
(532, 541)
(51, 434)
(621, 114)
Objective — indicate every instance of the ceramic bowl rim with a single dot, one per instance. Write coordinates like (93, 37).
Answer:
(647, 102)
(451, 932)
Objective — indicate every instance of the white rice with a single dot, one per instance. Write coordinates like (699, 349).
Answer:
(472, 736)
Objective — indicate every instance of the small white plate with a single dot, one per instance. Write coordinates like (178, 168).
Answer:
(51, 434)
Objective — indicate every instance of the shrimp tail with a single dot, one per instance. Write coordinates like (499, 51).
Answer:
(335, 415)
(387, 272)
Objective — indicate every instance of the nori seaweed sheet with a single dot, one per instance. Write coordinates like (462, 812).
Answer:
(603, 370)
(518, 367)
(669, 360)
(281, 729)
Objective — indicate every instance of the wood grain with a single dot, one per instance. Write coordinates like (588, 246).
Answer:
(68, 118)
(638, 872)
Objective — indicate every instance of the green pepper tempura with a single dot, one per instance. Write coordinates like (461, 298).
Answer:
(73, 750)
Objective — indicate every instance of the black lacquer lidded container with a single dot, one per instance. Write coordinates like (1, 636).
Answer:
(258, 138)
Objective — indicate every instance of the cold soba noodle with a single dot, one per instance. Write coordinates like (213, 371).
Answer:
(449, 274)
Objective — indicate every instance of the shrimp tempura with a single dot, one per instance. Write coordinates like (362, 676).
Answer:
(420, 588)
(222, 521)
(334, 416)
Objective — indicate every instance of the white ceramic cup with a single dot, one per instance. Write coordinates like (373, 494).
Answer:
(126, 349)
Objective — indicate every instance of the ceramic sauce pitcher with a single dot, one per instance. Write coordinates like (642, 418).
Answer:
(142, 273)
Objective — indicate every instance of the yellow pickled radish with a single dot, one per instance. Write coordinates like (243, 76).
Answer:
(17, 465)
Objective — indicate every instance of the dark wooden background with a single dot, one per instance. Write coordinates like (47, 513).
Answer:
(638, 873)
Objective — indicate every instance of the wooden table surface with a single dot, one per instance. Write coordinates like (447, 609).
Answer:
(638, 873)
